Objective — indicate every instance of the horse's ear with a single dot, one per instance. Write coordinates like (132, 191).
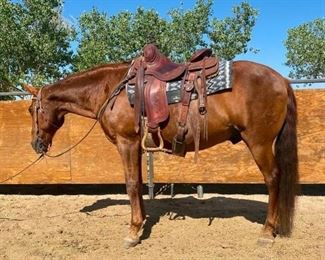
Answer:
(30, 89)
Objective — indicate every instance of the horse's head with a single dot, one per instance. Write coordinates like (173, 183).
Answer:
(46, 119)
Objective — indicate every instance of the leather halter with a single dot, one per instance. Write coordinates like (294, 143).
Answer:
(39, 109)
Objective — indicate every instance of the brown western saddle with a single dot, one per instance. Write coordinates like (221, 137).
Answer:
(151, 72)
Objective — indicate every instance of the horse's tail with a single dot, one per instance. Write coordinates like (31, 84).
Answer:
(287, 162)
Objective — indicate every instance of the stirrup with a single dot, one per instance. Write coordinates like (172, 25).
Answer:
(144, 138)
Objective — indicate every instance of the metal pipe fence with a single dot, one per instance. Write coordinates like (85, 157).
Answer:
(14, 93)
(306, 81)
(292, 81)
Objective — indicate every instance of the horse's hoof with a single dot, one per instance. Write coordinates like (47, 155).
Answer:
(265, 241)
(130, 242)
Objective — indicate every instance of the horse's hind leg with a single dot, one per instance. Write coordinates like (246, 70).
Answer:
(265, 160)
(131, 159)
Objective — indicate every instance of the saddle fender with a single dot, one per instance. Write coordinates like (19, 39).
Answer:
(156, 103)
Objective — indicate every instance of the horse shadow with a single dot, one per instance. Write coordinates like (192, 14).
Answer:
(180, 208)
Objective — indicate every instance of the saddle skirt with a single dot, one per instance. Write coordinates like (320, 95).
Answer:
(221, 81)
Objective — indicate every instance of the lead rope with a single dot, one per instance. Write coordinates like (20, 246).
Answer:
(50, 156)
(101, 110)
(27, 167)
(73, 146)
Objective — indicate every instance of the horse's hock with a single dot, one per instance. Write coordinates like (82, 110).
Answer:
(96, 160)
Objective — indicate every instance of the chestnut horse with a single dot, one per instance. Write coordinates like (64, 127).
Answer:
(260, 110)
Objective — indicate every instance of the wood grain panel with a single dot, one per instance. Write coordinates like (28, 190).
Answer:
(228, 163)
(311, 135)
(96, 160)
(16, 151)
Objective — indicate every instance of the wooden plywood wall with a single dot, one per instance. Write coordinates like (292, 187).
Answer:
(227, 163)
(96, 160)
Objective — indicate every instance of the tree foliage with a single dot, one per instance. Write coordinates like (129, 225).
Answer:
(186, 30)
(104, 38)
(35, 39)
(231, 35)
(306, 50)
(121, 37)
(34, 42)
(93, 40)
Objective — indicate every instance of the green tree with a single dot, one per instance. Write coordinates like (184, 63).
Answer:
(186, 30)
(231, 35)
(105, 39)
(34, 42)
(306, 50)
(94, 38)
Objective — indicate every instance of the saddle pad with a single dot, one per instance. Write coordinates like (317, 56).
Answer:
(220, 82)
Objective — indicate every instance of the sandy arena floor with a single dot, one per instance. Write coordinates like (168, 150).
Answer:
(93, 227)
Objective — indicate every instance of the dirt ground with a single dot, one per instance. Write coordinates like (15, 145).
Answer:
(93, 227)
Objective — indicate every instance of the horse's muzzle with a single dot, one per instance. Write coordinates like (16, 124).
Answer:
(39, 146)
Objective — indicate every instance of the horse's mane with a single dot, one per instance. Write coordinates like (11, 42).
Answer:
(109, 66)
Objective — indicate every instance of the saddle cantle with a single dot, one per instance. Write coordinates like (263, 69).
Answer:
(151, 72)
(162, 68)
(159, 66)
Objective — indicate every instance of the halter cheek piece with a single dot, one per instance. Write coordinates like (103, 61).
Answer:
(39, 109)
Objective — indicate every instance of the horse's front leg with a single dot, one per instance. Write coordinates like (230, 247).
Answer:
(131, 159)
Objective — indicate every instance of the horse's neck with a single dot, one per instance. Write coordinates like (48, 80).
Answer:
(85, 96)
(83, 101)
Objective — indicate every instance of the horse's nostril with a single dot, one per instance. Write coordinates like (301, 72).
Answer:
(39, 146)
